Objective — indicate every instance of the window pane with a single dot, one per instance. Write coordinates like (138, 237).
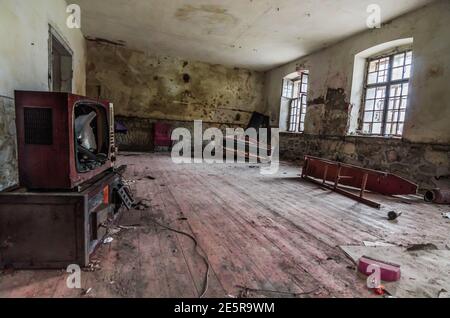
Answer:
(366, 128)
(384, 64)
(399, 60)
(296, 90)
(404, 103)
(370, 104)
(382, 76)
(373, 66)
(378, 117)
(376, 129)
(397, 73)
(388, 129)
(370, 93)
(393, 103)
(396, 90)
(305, 79)
(395, 117)
(407, 72)
(287, 88)
(381, 92)
(368, 116)
(390, 116)
(372, 78)
(408, 60)
(400, 129)
(379, 104)
(405, 91)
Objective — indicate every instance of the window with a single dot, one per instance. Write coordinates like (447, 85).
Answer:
(386, 94)
(297, 91)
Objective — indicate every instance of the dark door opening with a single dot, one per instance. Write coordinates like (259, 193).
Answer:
(60, 64)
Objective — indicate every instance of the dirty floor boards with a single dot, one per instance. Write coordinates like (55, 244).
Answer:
(272, 236)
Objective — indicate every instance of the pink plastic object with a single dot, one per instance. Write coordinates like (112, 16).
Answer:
(389, 272)
(163, 135)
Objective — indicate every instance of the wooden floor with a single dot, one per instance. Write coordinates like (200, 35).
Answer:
(271, 236)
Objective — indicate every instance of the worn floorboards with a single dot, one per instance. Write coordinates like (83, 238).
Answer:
(276, 235)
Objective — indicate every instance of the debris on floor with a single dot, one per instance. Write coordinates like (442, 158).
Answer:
(114, 231)
(86, 292)
(93, 266)
(422, 247)
(380, 291)
(443, 294)
(424, 272)
(389, 272)
(247, 292)
(142, 205)
(123, 227)
(392, 215)
(373, 244)
(438, 196)
(108, 240)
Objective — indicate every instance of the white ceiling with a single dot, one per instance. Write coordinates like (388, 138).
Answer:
(254, 34)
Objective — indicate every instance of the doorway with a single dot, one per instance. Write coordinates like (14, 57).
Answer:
(60, 63)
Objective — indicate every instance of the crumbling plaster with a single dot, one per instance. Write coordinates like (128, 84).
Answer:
(24, 33)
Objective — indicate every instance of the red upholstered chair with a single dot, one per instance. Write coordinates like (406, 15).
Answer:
(163, 134)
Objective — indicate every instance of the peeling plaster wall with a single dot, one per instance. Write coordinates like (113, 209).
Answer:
(8, 149)
(24, 29)
(330, 91)
(146, 89)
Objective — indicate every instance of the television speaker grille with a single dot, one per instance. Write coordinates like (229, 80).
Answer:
(38, 126)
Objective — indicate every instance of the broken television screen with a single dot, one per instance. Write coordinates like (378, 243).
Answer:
(92, 136)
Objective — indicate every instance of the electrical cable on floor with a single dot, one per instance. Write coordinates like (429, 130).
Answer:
(197, 247)
(247, 289)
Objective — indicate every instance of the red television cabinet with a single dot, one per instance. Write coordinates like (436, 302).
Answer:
(47, 143)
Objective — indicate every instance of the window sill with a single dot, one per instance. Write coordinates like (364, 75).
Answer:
(374, 137)
(292, 132)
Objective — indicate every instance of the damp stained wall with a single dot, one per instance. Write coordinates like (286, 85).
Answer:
(424, 151)
(146, 89)
(168, 88)
(24, 33)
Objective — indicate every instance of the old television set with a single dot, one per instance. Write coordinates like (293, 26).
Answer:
(64, 140)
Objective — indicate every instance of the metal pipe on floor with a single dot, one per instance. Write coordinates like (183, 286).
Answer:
(438, 196)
